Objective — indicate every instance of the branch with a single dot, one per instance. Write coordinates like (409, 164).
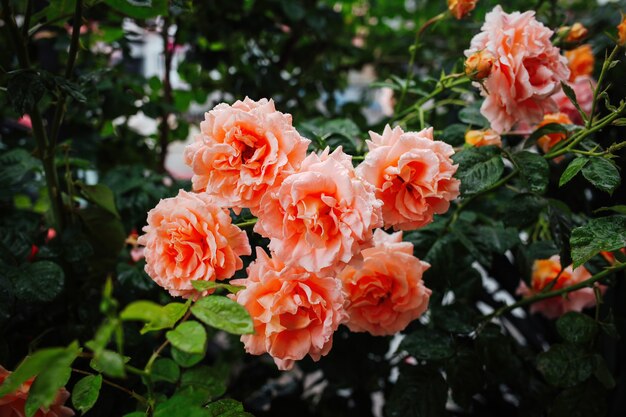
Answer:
(133, 394)
(549, 294)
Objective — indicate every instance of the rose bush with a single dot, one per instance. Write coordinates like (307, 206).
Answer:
(466, 257)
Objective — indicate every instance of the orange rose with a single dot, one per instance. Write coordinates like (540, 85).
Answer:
(295, 312)
(482, 138)
(189, 238)
(12, 405)
(610, 256)
(545, 271)
(242, 151)
(320, 215)
(580, 61)
(479, 64)
(413, 176)
(460, 8)
(384, 290)
(547, 142)
(621, 31)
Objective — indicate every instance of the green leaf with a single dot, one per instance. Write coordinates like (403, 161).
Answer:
(619, 209)
(184, 359)
(569, 92)
(465, 375)
(24, 90)
(577, 328)
(36, 363)
(428, 344)
(110, 363)
(189, 337)
(86, 392)
(180, 406)
(602, 373)
(155, 316)
(602, 173)
(203, 382)
(602, 234)
(565, 365)
(46, 386)
(139, 9)
(419, 392)
(548, 129)
(561, 222)
(223, 313)
(100, 195)
(523, 209)
(585, 400)
(226, 407)
(479, 168)
(165, 369)
(471, 115)
(40, 281)
(212, 285)
(454, 134)
(455, 318)
(14, 165)
(534, 170)
(572, 169)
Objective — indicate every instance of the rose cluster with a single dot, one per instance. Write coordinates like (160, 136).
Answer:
(329, 260)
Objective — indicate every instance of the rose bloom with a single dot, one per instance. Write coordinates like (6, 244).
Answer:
(460, 8)
(583, 87)
(526, 72)
(478, 65)
(545, 271)
(610, 256)
(189, 238)
(384, 289)
(482, 138)
(12, 405)
(621, 31)
(547, 142)
(295, 312)
(580, 61)
(412, 174)
(320, 215)
(243, 150)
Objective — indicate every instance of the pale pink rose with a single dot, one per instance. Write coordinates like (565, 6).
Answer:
(188, 237)
(384, 288)
(583, 87)
(12, 405)
(320, 215)
(526, 72)
(412, 174)
(242, 151)
(295, 312)
(545, 271)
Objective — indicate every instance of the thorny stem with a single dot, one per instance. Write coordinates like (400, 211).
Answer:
(414, 47)
(605, 67)
(69, 69)
(549, 294)
(133, 394)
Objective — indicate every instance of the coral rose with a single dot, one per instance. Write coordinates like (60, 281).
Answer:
(482, 138)
(545, 271)
(384, 290)
(583, 88)
(580, 61)
(295, 312)
(621, 32)
(547, 142)
(526, 72)
(12, 405)
(320, 215)
(190, 238)
(460, 8)
(412, 174)
(243, 150)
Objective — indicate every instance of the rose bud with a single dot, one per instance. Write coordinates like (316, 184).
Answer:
(621, 31)
(478, 65)
(482, 138)
(460, 8)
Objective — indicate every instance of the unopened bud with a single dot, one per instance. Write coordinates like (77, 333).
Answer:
(576, 33)
(482, 138)
(621, 32)
(460, 8)
(478, 65)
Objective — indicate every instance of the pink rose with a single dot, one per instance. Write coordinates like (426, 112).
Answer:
(295, 312)
(545, 271)
(384, 290)
(526, 72)
(320, 215)
(243, 150)
(12, 405)
(189, 238)
(583, 87)
(412, 174)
